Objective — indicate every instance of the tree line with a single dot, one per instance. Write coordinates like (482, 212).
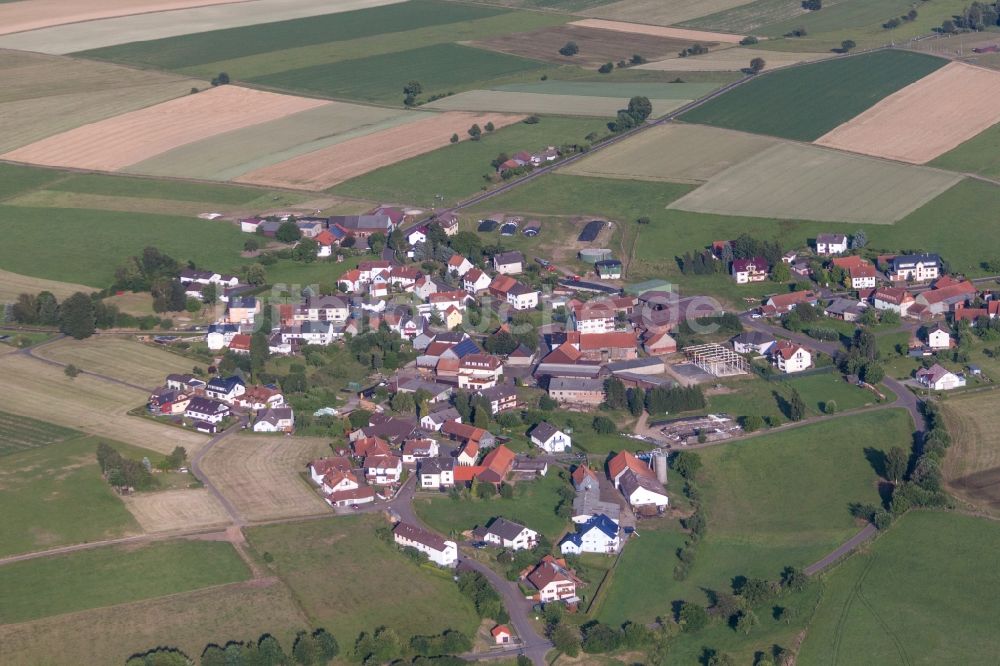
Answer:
(121, 472)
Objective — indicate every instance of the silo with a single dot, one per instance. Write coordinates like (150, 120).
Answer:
(660, 465)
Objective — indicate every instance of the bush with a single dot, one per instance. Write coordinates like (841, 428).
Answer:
(569, 49)
(606, 68)
(604, 426)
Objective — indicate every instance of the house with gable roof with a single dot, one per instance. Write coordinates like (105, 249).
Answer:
(599, 534)
(507, 534)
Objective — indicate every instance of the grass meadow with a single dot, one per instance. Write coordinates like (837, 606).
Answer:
(348, 580)
(972, 466)
(979, 155)
(534, 504)
(803, 103)
(919, 594)
(123, 359)
(114, 575)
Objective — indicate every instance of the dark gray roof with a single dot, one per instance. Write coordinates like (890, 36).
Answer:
(753, 338)
(630, 482)
(543, 431)
(505, 529)
(571, 384)
(512, 257)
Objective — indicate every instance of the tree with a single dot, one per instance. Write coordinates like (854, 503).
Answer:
(467, 243)
(604, 426)
(812, 5)
(475, 132)
(454, 138)
(377, 242)
(753, 422)
(305, 650)
(599, 638)
(781, 272)
(615, 391)
(76, 316)
(569, 49)
(693, 617)
(547, 403)
(640, 108)
(872, 372)
(489, 127)
(636, 401)
(566, 640)
(830, 406)
(796, 406)
(259, 352)
(847, 45)
(896, 462)
(757, 65)
(606, 68)
(687, 464)
(793, 578)
(288, 232)
(326, 644)
(501, 343)
(162, 656)
(306, 250)
(746, 622)
(412, 89)
(71, 371)
(255, 274)
(221, 79)
(402, 403)
(359, 418)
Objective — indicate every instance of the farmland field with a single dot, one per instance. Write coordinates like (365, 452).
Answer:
(189, 621)
(18, 434)
(348, 580)
(44, 242)
(979, 155)
(620, 89)
(78, 581)
(148, 188)
(732, 60)
(456, 171)
(661, 13)
(24, 16)
(43, 95)
(123, 359)
(132, 137)
(692, 36)
(533, 505)
(53, 493)
(972, 466)
(14, 284)
(260, 475)
(440, 68)
(672, 152)
(15, 179)
(169, 510)
(526, 102)
(231, 154)
(89, 404)
(332, 165)
(884, 605)
(939, 112)
(798, 182)
(597, 46)
(806, 102)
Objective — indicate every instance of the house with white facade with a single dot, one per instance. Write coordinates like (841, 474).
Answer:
(459, 265)
(828, 244)
(550, 439)
(226, 389)
(508, 263)
(915, 268)
(789, 357)
(440, 551)
(383, 469)
(554, 580)
(753, 269)
(206, 409)
(476, 281)
(275, 419)
(508, 534)
(600, 534)
(437, 473)
(643, 491)
(939, 337)
(893, 298)
(939, 378)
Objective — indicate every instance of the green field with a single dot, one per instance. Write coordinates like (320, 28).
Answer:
(659, 12)
(538, 103)
(86, 246)
(18, 433)
(195, 49)
(16, 179)
(440, 68)
(456, 171)
(799, 182)
(623, 89)
(980, 155)
(348, 580)
(806, 102)
(113, 575)
(148, 188)
(761, 398)
(534, 504)
(919, 595)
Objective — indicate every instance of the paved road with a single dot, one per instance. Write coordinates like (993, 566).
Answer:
(868, 532)
(233, 512)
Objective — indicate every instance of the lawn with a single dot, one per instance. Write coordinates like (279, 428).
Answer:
(348, 580)
(534, 504)
(204, 47)
(805, 102)
(972, 467)
(114, 575)
(456, 171)
(762, 398)
(917, 595)
(86, 246)
(440, 68)
(980, 155)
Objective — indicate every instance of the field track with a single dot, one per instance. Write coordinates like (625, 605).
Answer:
(117, 142)
(925, 119)
(327, 167)
(660, 31)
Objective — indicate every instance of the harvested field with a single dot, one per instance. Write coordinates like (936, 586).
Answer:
(733, 60)
(260, 475)
(231, 154)
(925, 119)
(132, 137)
(620, 89)
(123, 359)
(95, 202)
(41, 95)
(176, 509)
(972, 467)
(327, 167)
(189, 621)
(750, 17)
(596, 46)
(662, 13)
(89, 404)
(536, 103)
(14, 284)
(676, 153)
(692, 36)
(799, 182)
(34, 14)
(149, 26)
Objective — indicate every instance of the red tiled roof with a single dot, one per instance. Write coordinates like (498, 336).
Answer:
(462, 431)
(325, 238)
(582, 472)
(564, 353)
(240, 341)
(370, 446)
(625, 460)
(613, 340)
(499, 460)
(848, 263)
(786, 348)
(361, 492)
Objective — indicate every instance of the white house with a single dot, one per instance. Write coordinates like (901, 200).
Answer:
(320, 333)
(382, 470)
(522, 297)
(226, 389)
(745, 271)
(219, 336)
(915, 267)
(893, 298)
(790, 357)
(324, 308)
(418, 235)
(831, 244)
(939, 378)
(435, 420)
(600, 534)
(204, 409)
(275, 419)
(508, 263)
(939, 337)
(476, 281)
(596, 317)
(319, 469)
(550, 439)
(753, 342)
(459, 265)
(553, 580)
(441, 552)
(415, 450)
(508, 534)
(437, 473)
(643, 491)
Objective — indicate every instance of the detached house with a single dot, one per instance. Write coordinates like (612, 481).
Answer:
(593, 317)
(577, 391)
(438, 550)
(242, 310)
(643, 491)
(790, 357)
(342, 488)
(624, 462)
(939, 378)
(893, 298)
(383, 469)
(207, 410)
(915, 268)
(550, 439)
(554, 580)
(508, 534)
(436, 473)
(459, 265)
(608, 269)
(479, 371)
(476, 281)
(939, 337)
(599, 534)
(750, 270)
(828, 244)
(275, 419)
(501, 397)
(508, 263)
(226, 389)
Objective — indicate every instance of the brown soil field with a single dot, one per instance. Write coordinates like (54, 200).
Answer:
(117, 142)
(14, 284)
(188, 621)
(925, 119)
(86, 403)
(691, 36)
(34, 14)
(176, 509)
(972, 467)
(123, 359)
(260, 475)
(597, 46)
(329, 166)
